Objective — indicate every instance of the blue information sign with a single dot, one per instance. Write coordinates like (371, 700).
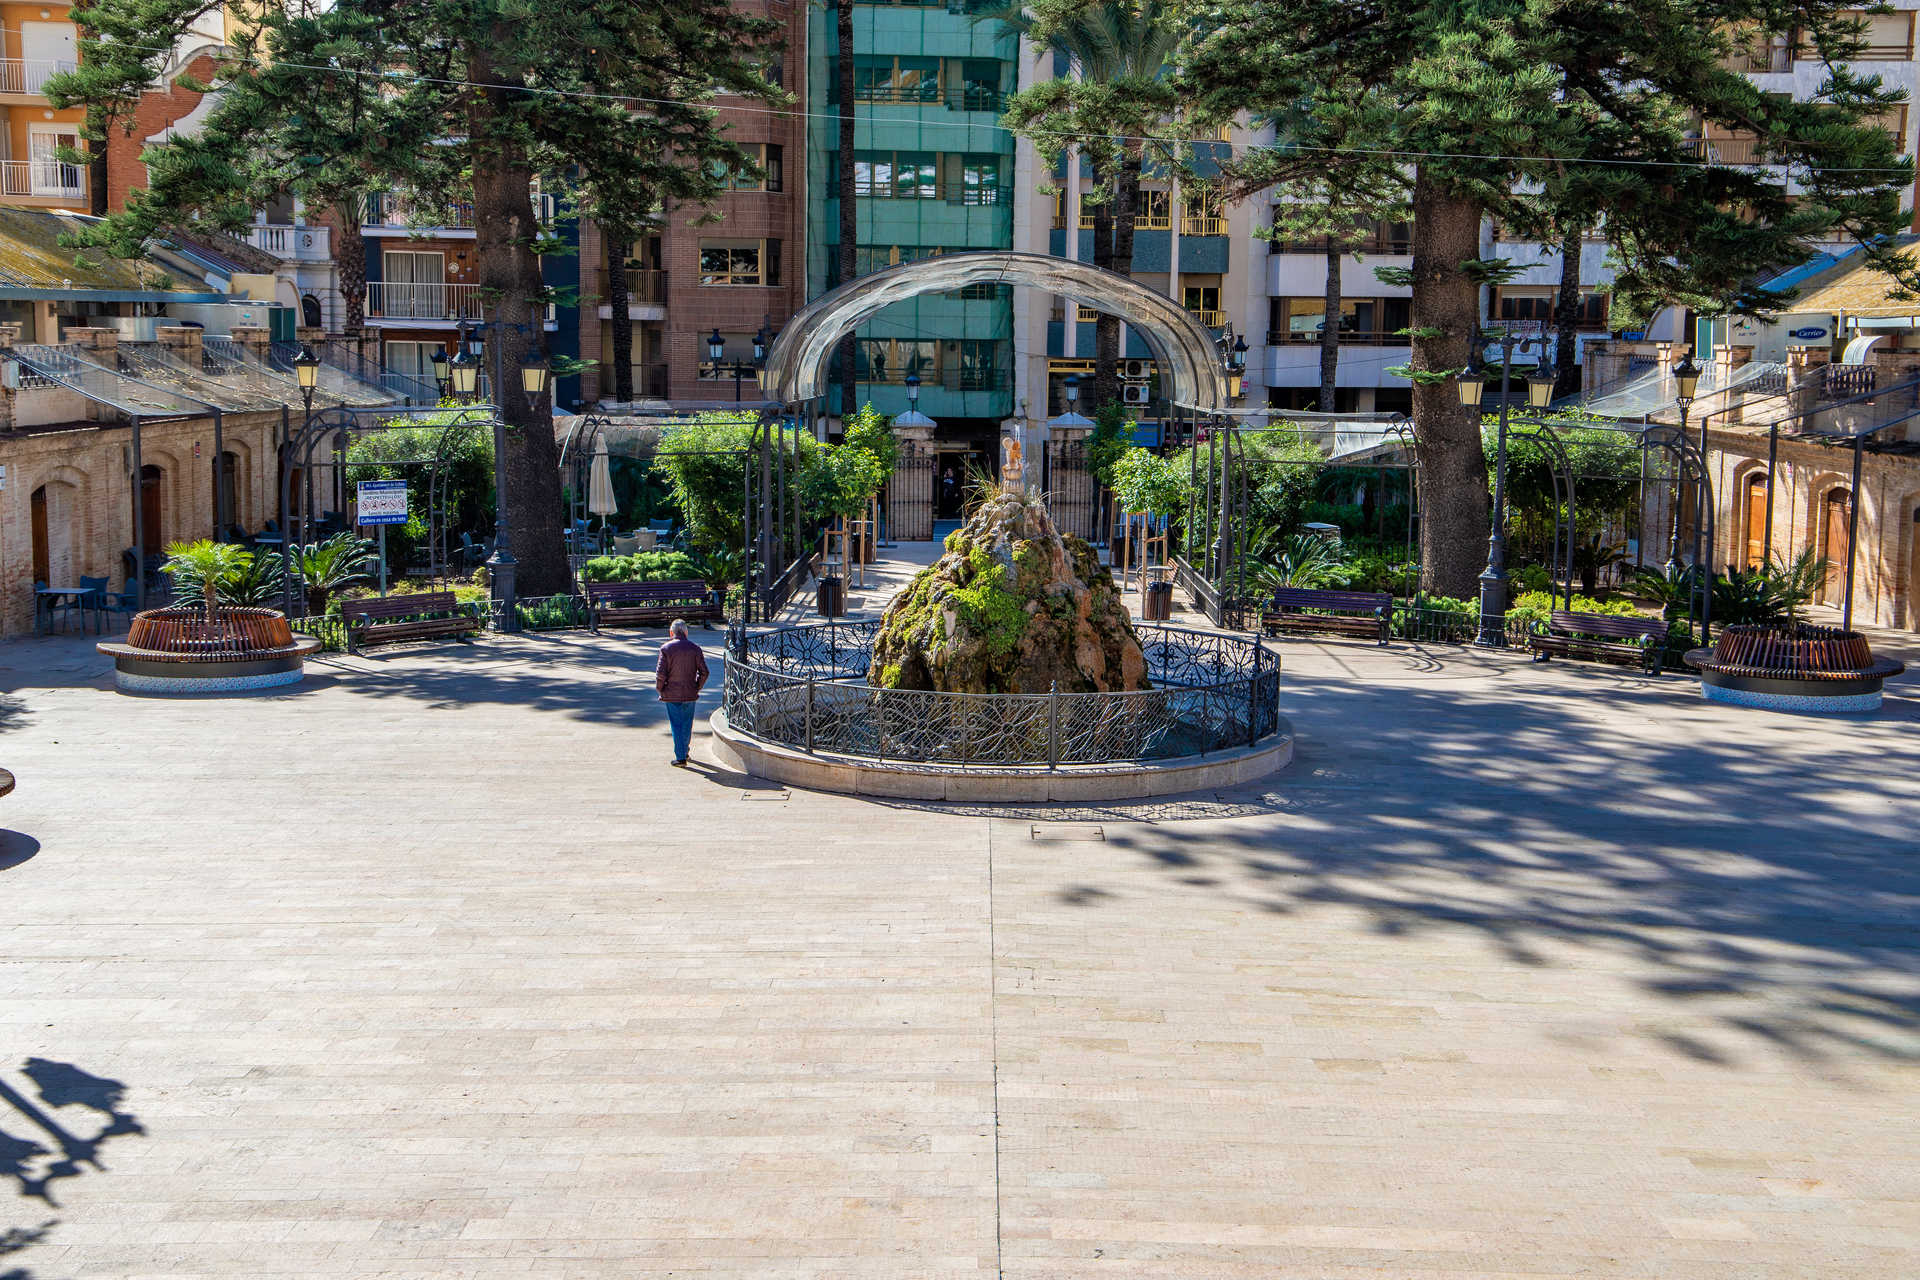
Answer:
(1144, 434)
(382, 502)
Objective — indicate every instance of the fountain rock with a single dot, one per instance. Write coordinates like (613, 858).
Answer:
(1011, 607)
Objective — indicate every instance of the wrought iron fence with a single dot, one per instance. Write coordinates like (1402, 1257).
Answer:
(804, 687)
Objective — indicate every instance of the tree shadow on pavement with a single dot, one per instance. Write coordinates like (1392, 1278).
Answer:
(1756, 870)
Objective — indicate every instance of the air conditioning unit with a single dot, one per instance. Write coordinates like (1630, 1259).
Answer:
(1136, 370)
(1133, 393)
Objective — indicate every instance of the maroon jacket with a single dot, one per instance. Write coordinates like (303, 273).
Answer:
(681, 671)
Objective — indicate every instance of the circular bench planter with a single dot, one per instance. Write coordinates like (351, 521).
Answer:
(1804, 668)
(238, 650)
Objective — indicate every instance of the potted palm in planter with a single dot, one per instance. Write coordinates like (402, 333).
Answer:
(1767, 656)
(222, 642)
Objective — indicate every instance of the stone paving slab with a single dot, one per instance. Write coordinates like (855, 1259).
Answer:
(432, 968)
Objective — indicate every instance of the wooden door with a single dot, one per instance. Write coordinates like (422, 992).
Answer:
(1758, 491)
(42, 548)
(150, 514)
(1839, 551)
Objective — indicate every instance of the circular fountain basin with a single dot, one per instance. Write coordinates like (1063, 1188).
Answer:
(1803, 668)
(182, 650)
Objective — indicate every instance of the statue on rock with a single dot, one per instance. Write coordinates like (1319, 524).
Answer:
(1012, 607)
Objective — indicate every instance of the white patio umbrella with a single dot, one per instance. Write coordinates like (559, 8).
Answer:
(600, 499)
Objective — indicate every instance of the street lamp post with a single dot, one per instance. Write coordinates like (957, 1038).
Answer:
(442, 380)
(717, 353)
(1686, 379)
(306, 371)
(1471, 383)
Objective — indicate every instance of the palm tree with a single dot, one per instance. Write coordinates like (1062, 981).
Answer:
(326, 567)
(204, 565)
(1115, 99)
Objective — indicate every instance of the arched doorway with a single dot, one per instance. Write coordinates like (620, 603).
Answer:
(226, 490)
(1836, 514)
(310, 311)
(42, 549)
(152, 519)
(1755, 495)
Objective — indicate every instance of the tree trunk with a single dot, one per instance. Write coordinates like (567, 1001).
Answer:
(849, 211)
(509, 278)
(1330, 328)
(618, 242)
(1106, 330)
(96, 173)
(350, 260)
(1566, 316)
(1452, 469)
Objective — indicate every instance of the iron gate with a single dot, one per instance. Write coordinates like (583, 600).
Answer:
(910, 493)
(1070, 488)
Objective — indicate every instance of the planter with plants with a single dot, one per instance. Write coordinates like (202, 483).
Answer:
(1767, 656)
(220, 642)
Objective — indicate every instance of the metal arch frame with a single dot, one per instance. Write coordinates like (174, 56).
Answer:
(1689, 463)
(339, 423)
(1565, 484)
(1183, 347)
(439, 490)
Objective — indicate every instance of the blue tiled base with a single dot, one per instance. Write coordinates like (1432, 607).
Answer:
(131, 682)
(1829, 704)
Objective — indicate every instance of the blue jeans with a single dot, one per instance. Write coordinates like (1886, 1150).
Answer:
(680, 720)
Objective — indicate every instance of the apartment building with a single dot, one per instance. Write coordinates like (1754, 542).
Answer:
(932, 173)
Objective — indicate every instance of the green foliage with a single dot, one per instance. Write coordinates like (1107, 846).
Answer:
(1533, 577)
(1303, 560)
(721, 566)
(554, 613)
(397, 453)
(643, 566)
(1769, 593)
(1146, 482)
(1595, 556)
(872, 430)
(326, 567)
(704, 462)
(203, 567)
(1443, 618)
(843, 480)
(1375, 571)
(1108, 440)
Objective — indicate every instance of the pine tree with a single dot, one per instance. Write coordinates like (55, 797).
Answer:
(452, 100)
(1488, 98)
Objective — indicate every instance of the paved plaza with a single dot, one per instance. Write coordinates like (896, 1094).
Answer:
(432, 967)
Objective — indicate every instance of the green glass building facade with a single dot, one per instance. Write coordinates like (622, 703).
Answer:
(932, 174)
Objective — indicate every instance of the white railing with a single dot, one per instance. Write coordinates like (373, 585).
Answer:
(42, 178)
(29, 75)
(386, 209)
(294, 244)
(389, 301)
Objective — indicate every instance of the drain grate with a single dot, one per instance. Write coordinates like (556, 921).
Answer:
(774, 795)
(1067, 833)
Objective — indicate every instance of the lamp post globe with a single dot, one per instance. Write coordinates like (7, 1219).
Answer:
(1072, 390)
(465, 370)
(913, 390)
(716, 346)
(535, 374)
(1471, 383)
(441, 379)
(1540, 384)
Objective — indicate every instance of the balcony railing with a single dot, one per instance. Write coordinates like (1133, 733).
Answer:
(1348, 338)
(1211, 319)
(30, 75)
(389, 301)
(387, 209)
(952, 193)
(1735, 150)
(43, 178)
(645, 287)
(1208, 225)
(293, 244)
(1377, 242)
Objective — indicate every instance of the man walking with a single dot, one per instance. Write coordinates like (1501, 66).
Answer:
(678, 676)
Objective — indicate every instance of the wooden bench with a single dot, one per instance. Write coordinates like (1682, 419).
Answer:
(1604, 638)
(1365, 614)
(423, 615)
(651, 604)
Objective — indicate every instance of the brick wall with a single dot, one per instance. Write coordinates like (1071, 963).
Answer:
(158, 109)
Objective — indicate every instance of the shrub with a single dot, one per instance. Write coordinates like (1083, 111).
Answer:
(1533, 577)
(1436, 617)
(642, 566)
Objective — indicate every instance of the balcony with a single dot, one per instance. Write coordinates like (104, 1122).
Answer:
(951, 193)
(1211, 319)
(1207, 225)
(1740, 149)
(644, 287)
(388, 209)
(30, 75)
(49, 178)
(292, 244)
(431, 303)
(1348, 338)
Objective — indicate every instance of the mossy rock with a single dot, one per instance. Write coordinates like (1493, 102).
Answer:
(1011, 607)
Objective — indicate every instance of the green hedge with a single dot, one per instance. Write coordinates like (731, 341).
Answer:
(642, 566)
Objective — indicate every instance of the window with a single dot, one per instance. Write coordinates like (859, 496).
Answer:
(414, 286)
(1204, 302)
(410, 368)
(892, 359)
(896, 175)
(739, 262)
(52, 176)
(979, 88)
(884, 79)
(768, 157)
(1203, 215)
(1536, 303)
(1373, 321)
(1155, 212)
(980, 180)
(976, 367)
(1887, 37)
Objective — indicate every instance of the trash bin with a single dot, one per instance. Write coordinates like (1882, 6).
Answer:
(831, 598)
(1159, 602)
